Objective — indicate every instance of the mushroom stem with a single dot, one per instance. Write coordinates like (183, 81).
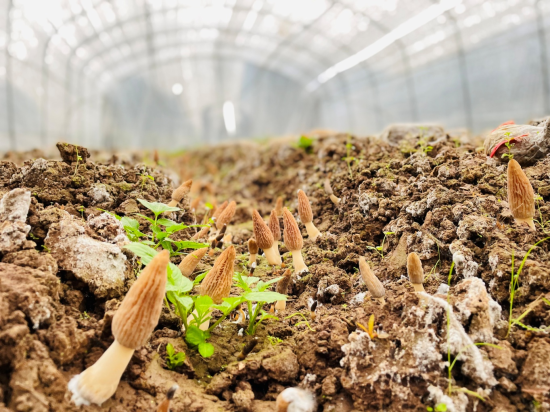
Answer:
(173, 203)
(100, 381)
(312, 231)
(272, 255)
(252, 259)
(418, 287)
(528, 221)
(298, 261)
(280, 305)
(335, 200)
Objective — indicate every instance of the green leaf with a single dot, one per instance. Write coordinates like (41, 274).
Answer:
(166, 222)
(145, 252)
(206, 349)
(208, 206)
(176, 228)
(194, 336)
(146, 218)
(180, 301)
(229, 304)
(157, 208)
(170, 350)
(128, 222)
(261, 286)
(176, 281)
(267, 297)
(203, 303)
(187, 244)
(199, 278)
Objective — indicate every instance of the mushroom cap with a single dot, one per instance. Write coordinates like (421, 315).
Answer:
(275, 226)
(182, 190)
(414, 269)
(139, 312)
(226, 215)
(282, 285)
(252, 246)
(189, 263)
(217, 283)
(293, 236)
(202, 233)
(195, 203)
(521, 196)
(279, 206)
(262, 233)
(304, 208)
(219, 210)
(374, 285)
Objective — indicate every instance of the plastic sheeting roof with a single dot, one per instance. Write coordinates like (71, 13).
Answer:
(134, 73)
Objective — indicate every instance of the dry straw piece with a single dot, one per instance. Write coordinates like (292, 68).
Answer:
(295, 400)
(374, 285)
(275, 226)
(133, 323)
(190, 262)
(226, 215)
(521, 196)
(415, 271)
(306, 215)
(294, 241)
(279, 206)
(179, 193)
(282, 287)
(264, 239)
(253, 250)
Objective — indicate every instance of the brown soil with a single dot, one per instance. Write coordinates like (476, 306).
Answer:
(447, 204)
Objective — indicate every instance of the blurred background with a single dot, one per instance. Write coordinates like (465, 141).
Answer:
(171, 74)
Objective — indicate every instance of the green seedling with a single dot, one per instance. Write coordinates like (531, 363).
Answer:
(349, 158)
(143, 177)
(514, 286)
(273, 340)
(380, 249)
(423, 140)
(173, 358)
(305, 143)
(78, 159)
(509, 146)
(305, 322)
(440, 407)
(544, 224)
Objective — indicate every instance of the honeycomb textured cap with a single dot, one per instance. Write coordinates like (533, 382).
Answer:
(262, 233)
(217, 283)
(282, 285)
(293, 236)
(275, 226)
(304, 208)
(139, 312)
(374, 285)
(189, 262)
(226, 215)
(219, 210)
(521, 196)
(252, 246)
(414, 269)
(279, 206)
(182, 191)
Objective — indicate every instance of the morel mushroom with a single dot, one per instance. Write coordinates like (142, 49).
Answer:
(295, 400)
(226, 215)
(294, 241)
(133, 323)
(253, 250)
(264, 239)
(306, 215)
(330, 193)
(279, 206)
(202, 234)
(219, 210)
(282, 288)
(415, 271)
(180, 193)
(520, 195)
(190, 262)
(275, 226)
(374, 285)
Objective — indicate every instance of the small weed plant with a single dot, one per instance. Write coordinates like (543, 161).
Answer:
(380, 249)
(349, 159)
(440, 407)
(509, 146)
(273, 340)
(544, 224)
(173, 358)
(143, 177)
(78, 159)
(514, 286)
(305, 143)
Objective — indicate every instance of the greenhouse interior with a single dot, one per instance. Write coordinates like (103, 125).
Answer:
(274, 205)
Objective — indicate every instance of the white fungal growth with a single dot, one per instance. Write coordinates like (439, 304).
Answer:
(333, 290)
(366, 201)
(98, 193)
(443, 289)
(464, 266)
(474, 364)
(425, 350)
(358, 299)
(457, 403)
